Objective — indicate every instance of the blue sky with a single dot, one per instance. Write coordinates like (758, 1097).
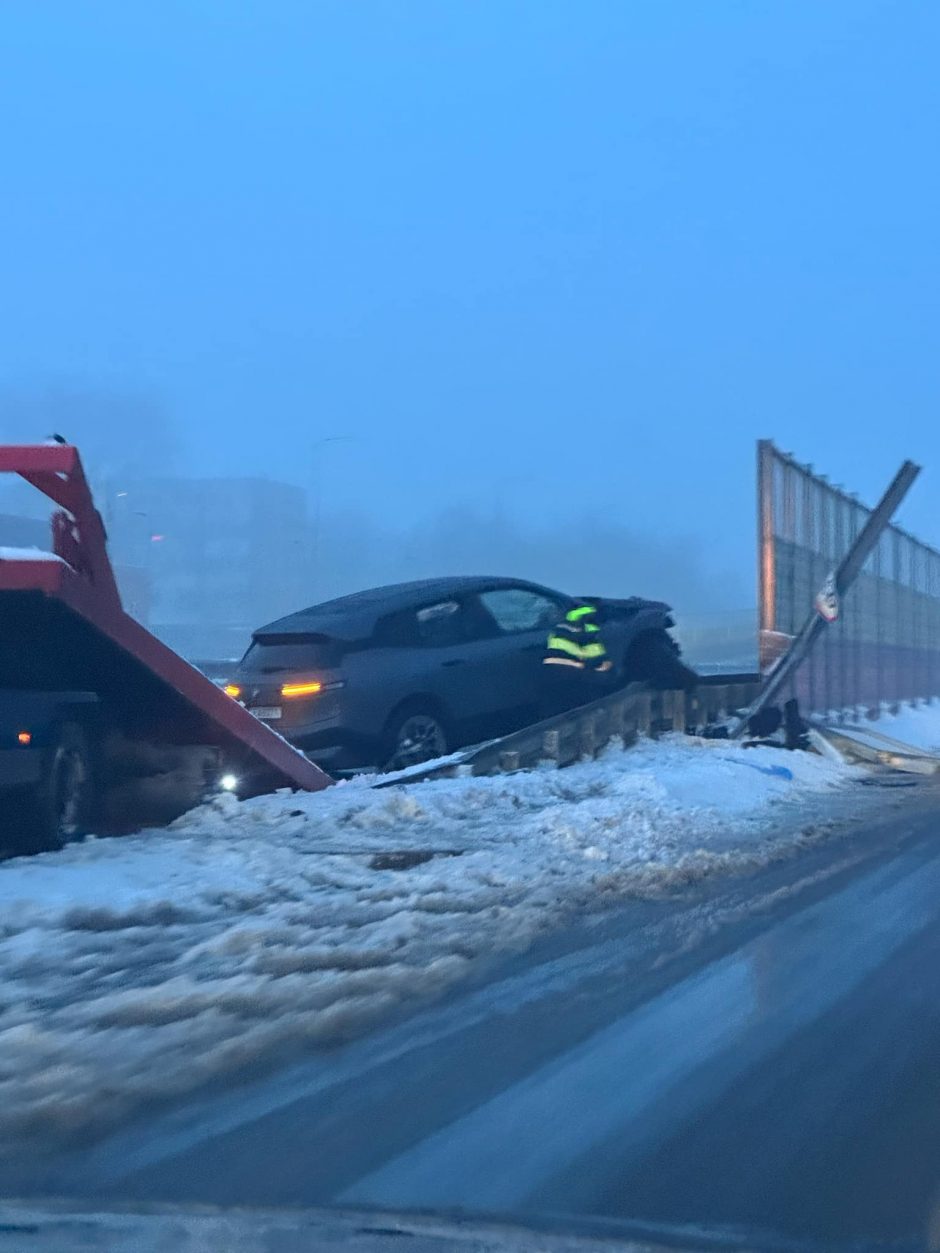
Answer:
(560, 258)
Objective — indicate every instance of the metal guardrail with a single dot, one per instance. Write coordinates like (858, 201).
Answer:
(884, 647)
(582, 733)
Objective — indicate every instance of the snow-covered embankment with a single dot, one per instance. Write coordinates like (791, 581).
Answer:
(144, 967)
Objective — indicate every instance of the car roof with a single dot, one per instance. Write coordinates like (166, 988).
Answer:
(355, 615)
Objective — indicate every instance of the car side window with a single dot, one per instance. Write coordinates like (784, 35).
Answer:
(441, 624)
(517, 609)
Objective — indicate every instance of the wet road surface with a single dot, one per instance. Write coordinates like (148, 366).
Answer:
(769, 1058)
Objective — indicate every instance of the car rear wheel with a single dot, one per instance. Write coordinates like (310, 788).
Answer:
(414, 735)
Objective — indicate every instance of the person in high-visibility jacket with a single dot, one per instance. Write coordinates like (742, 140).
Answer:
(576, 665)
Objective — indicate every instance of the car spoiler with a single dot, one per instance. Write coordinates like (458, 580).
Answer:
(294, 637)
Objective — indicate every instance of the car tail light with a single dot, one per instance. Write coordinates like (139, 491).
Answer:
(307, 688)
(24, 737)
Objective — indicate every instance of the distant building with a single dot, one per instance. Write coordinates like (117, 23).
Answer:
(19, 532)
(136, 591)
(222, 556)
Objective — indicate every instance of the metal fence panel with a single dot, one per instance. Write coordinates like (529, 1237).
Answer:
(885, 645)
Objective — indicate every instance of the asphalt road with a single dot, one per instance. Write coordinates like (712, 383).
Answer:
(767, 1056)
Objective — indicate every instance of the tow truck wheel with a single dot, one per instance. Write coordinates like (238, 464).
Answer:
(61, 800)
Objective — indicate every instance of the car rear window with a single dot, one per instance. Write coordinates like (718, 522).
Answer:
(274, 654)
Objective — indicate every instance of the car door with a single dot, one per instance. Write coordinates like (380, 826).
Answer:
(448, 649)
(451, 660)
(472, 666)
(523, 617)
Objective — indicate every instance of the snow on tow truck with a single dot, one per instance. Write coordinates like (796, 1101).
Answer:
(100, 722)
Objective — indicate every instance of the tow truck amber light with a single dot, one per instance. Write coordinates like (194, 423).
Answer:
(24, 737)
(233, 690)
(301, 689)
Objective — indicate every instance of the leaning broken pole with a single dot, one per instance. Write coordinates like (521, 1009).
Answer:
(826, 605)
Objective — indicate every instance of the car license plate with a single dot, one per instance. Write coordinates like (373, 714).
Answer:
(268, 713)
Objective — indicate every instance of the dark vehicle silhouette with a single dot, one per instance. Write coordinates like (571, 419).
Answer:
(401, 674)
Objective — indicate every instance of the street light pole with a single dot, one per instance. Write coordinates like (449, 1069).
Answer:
(318, 499)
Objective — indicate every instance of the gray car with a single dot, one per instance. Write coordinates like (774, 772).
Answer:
(400, 674)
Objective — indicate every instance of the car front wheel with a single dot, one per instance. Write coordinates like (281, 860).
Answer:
(656, 659)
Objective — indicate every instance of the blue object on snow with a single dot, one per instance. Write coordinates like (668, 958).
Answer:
(778, 772)
(775, 772)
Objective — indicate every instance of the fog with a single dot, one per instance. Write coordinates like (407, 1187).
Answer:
(343, 548)
(507, 287)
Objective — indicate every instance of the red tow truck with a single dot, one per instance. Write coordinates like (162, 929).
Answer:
(102, 726)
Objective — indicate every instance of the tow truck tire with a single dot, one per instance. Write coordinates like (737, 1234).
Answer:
(60, 803)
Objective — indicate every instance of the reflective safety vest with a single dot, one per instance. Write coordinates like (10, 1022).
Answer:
(576, 641)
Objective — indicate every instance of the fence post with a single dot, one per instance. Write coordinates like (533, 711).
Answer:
(879, 693)
(925, 619)
(788, 529)
(811, 541)
(643, 713)
(766, 565)
(828, 546)
(933, 636)
(910, 622)
(856, 622)
(840, 546)
(898, 620)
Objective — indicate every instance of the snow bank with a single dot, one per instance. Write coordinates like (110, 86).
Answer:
(139, 969)
(918, 726)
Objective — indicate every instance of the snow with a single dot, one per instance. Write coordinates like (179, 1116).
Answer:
(917, 725)
(56, 1226)
(28, 554)
(143, 968)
